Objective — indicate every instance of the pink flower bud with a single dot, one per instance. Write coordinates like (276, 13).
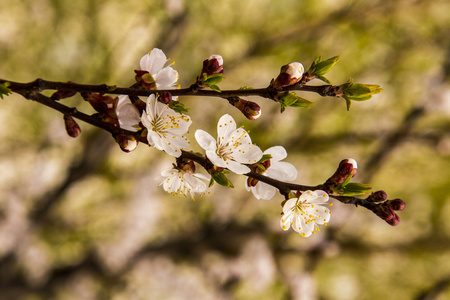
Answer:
(347, 167)
(213, 65)
(289, 74)
(251, 110)
(72, 128)
(126, 142)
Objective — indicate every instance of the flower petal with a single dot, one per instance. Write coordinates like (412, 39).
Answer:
(264, 191)
(277, 152)
(205, 140)
(153, 61)
(166, 79)
(281, 171)
(225, 128)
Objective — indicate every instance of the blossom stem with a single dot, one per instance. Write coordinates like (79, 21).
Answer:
(269, 92)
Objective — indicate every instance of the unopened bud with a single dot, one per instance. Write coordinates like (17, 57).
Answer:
(165, 97)
(213, 65)
(126, 142)
(251, 110)
(72, 128)
(397, 204)
(394, 221)
(377, 197)
(102, 103)
(347, 167)
(62, 94)
(384, 212)
(289, 74)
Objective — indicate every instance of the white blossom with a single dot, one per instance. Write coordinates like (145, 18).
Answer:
(277, 170)
(179, 182)
(306, 212)
(165, 77)
(233, 147)
(166, 127)
(127, 114)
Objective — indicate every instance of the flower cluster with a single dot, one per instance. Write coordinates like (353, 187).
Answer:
(160, 120)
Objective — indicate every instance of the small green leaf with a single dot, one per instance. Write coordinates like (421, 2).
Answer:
(348, 102)
(324, 79)
(353, 189)
(291, 99)
(4, 89)
(222, 179)
(112, 88)
(178, 107)
(215, 88)
(324, 66)
(247, 88)
(265, 157)
(261, 167)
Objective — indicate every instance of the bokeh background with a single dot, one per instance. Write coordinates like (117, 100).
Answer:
(80, 219)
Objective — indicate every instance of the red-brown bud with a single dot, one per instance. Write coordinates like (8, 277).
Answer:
(377, 197)
(102, 103)
(72, 128)
(165, 97)
(347, 167)
(397, 204)
(251, 110)
(213, 65)
(394, 221)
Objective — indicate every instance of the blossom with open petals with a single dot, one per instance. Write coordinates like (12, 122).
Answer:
(164, 77)
(233, 147)
(166, 127)
(127, 114)
(180, 182)
(275, 169)
(306, 212)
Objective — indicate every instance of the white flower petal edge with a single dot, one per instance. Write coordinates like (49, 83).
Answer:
(178, 182)
(127, 114)
(278, 170)
(166, 127)
(233, 147)
(165, 77)
(305, 213)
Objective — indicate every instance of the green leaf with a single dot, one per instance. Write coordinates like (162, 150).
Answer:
(265, 157)
(222, 179)
(215, 88)
(348, 102)
(214, 79)
(353, 189)
(247, 88)
(291, 99)
(324, 66)
(178, 107)
(323, 79)
(4, 90)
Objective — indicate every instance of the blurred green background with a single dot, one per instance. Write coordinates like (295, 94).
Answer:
(80, 219)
